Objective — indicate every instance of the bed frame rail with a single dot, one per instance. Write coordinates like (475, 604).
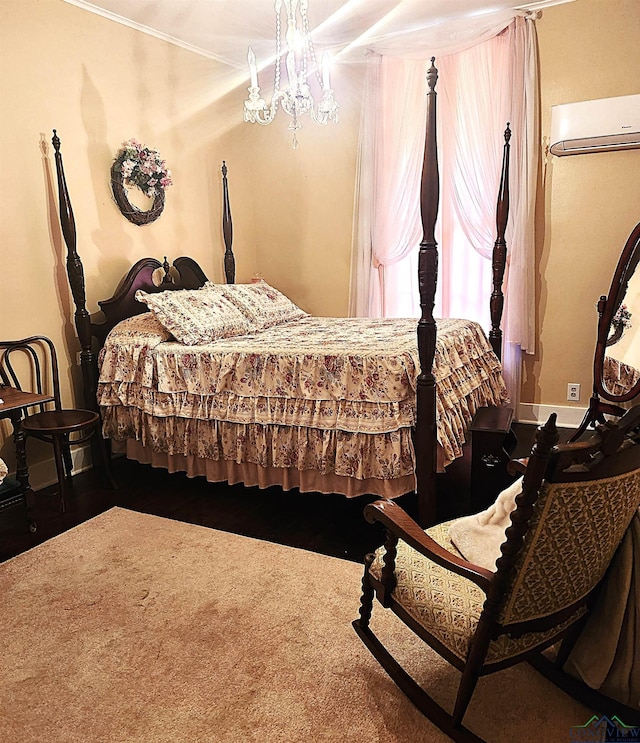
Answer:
(75, 273)
(227, 230)
(425, 431)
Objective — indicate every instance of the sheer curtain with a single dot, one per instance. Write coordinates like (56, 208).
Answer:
(480, 89)
(390, 172)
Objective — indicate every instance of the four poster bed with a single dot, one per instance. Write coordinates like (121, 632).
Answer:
(270, 395)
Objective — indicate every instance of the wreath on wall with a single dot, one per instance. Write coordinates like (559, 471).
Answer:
(137, 166)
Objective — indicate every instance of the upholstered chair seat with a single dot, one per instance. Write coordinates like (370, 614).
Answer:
(445, 604)
(448, 606)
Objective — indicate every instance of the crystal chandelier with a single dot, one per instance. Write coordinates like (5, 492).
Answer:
(300, 62)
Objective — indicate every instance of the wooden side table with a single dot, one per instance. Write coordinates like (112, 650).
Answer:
(492, 443)
(13, 404)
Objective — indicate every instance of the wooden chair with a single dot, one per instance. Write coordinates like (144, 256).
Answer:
(31, 364)
(576, 504)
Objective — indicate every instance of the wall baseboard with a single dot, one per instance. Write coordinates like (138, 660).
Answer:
(569, 416)
(43, 474)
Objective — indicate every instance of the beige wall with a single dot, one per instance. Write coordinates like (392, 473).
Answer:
(302, 200)
(587, 204)
(99, 83)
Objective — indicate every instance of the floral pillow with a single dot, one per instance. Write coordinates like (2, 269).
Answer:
(196, 316)
(261, 304)
(142, 329)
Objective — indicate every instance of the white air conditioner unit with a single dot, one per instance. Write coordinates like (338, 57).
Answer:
(602, 125)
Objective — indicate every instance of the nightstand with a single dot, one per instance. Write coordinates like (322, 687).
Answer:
(492, 443)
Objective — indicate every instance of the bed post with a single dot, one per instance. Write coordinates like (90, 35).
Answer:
(499, 259)
(75, 273)
(227, 230)
(425, 431)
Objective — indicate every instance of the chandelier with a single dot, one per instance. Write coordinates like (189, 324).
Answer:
(300, 62)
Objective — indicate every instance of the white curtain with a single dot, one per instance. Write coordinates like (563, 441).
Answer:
(390, 169)
(480, 89)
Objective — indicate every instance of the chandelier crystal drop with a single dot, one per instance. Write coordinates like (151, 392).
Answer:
(300, 62)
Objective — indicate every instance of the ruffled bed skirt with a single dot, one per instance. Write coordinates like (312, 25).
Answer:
(253, 475)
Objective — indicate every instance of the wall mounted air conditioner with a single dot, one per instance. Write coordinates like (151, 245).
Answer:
(602, 125)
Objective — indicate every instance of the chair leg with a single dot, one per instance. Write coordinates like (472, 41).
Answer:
(66, 454)
(471, 673)
(366, 600)
(60, 469)
(465, 690)
(414, 692)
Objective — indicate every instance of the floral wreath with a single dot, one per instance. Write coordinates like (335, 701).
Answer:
(141, 167)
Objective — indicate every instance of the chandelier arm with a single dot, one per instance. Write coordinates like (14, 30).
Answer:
(265, 114)
(297, 99)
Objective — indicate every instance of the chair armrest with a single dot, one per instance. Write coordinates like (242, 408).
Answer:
(404, 527)
(517, 466)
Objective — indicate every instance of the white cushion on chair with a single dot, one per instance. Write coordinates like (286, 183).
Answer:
(480, 536)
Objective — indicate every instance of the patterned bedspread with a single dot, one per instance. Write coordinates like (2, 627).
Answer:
(332, 394)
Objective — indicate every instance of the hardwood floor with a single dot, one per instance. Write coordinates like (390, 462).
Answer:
(324, 523)
(328, 524)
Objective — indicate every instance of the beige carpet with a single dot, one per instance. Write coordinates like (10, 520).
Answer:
(137, 628)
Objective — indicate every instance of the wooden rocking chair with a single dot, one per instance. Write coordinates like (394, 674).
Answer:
(577, 501)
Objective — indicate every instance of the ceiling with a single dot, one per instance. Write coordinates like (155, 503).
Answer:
(222, 29)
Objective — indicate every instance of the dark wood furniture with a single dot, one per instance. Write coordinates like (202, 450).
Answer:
(492, 444)
(577, 500)
(35, 359)
(186, 274)
(15, 404)
(189, 275)
(499, 255)
(607, 399)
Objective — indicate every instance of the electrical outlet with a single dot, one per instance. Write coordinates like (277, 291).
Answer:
(573, 392)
